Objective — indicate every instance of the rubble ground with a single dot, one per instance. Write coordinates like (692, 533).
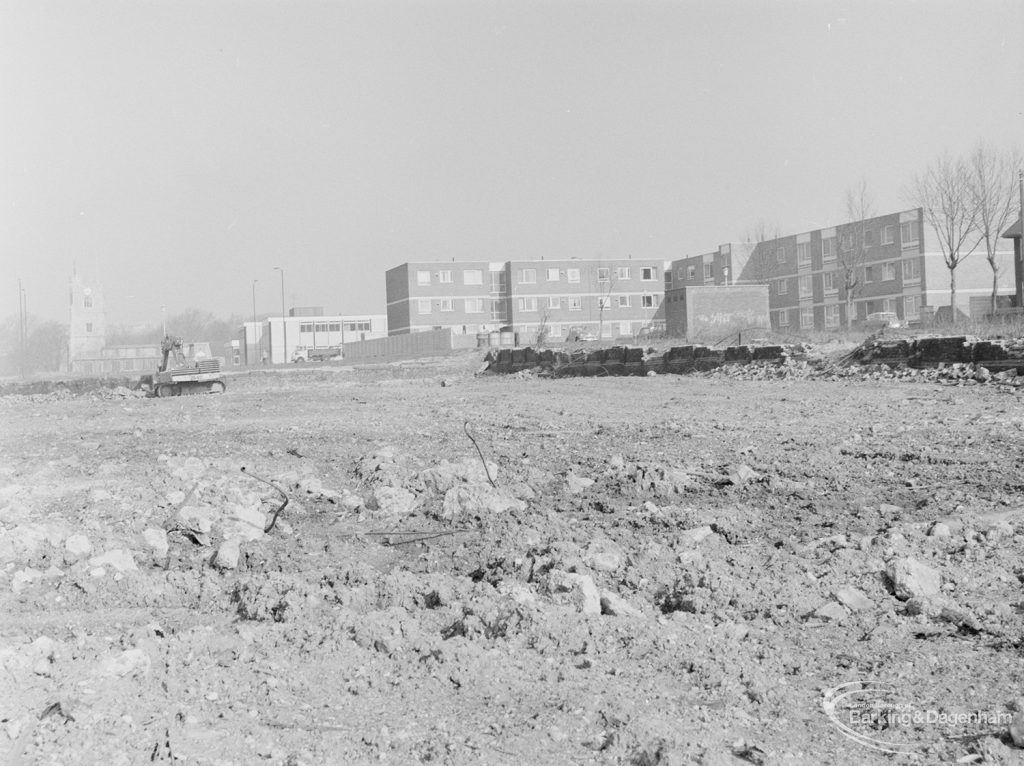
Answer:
(493, 569)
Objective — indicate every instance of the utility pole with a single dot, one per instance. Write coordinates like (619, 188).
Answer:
(284, 321)
(247, 339)
(1019, 267)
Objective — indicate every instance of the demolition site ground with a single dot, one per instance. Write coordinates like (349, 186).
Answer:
(491, 569)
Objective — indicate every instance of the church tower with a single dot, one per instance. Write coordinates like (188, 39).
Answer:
(87, 331)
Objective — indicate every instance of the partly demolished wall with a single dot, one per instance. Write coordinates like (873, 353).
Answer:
(994, 355)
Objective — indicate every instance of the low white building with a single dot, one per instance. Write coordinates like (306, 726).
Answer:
(274, 340)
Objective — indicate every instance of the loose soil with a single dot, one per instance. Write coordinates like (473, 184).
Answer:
(645, 570)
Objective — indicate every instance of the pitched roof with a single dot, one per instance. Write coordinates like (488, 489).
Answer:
(1013, 232)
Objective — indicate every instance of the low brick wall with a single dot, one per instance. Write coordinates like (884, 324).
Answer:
(1000, 354)
(995, 355)
(628, 360)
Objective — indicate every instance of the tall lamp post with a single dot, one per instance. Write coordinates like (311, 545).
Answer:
(247, 342)
(284, 322)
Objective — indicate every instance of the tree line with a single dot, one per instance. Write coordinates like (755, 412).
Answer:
(47, 340)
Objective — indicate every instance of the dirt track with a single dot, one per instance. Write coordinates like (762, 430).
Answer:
(669, 569)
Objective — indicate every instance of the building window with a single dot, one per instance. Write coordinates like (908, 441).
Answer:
(603, 274)
(422, 306)
(803, 253)
(888, 234)
(908, 233)
(709, 271)
(869, 237)
(444, 277)
(527, 304)
(552, 275)
(306, 327)
(912, 270)
(447, 304)
(554, 302)
(87, 302)
(604, 302)
(363, 326)
(806, 318)
(847, 240)
(474, 305)
(423, 277)
(336, 326)
(782, 287)
(780, 255)
(572, 275)
(622, 272)
(498, 313)
(869, 274)
(691, 272)
(783, 319)
(528, 276)
(555, 330)
(649, 273)
(88, 326)
(575, 304)
(828, 249)
(623, 301)
(472, 277)
(805, 286)
(647, 301)
(912, 307)
(832, 316)
(828, 282)
(888, 272)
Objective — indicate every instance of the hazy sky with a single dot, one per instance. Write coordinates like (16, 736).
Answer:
(176, 151)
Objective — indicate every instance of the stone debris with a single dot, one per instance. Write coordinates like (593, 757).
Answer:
(228, 553)
(118, 559)
(575, 484)
(576, 589)
(912, 579)
(156, 539)
(614, 605)
(392, 501)
(129, 662)
(854, 599)
(78, 546)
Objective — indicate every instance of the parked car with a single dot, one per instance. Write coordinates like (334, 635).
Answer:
(880, 319)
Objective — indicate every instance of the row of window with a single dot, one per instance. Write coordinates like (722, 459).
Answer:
(805, 316)
(552, 302)
(354, 326)
(909, 237)
(878, 272)
(529, 276)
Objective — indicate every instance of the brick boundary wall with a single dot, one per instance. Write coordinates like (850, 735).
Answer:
(627, 360)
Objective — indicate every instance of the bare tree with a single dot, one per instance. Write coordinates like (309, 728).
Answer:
(993, 191)
(853, 244)
(604, 300)
(762, 265)
(944, 193)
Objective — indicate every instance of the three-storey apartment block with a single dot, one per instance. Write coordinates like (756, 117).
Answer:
(888, 263)
(609, 298)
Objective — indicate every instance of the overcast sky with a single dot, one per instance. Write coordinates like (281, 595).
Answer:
(174, 152)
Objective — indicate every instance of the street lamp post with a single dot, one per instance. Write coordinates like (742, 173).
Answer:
(247, 341)
(284, 322)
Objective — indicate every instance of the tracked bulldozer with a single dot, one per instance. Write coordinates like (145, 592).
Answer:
(176, 375)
